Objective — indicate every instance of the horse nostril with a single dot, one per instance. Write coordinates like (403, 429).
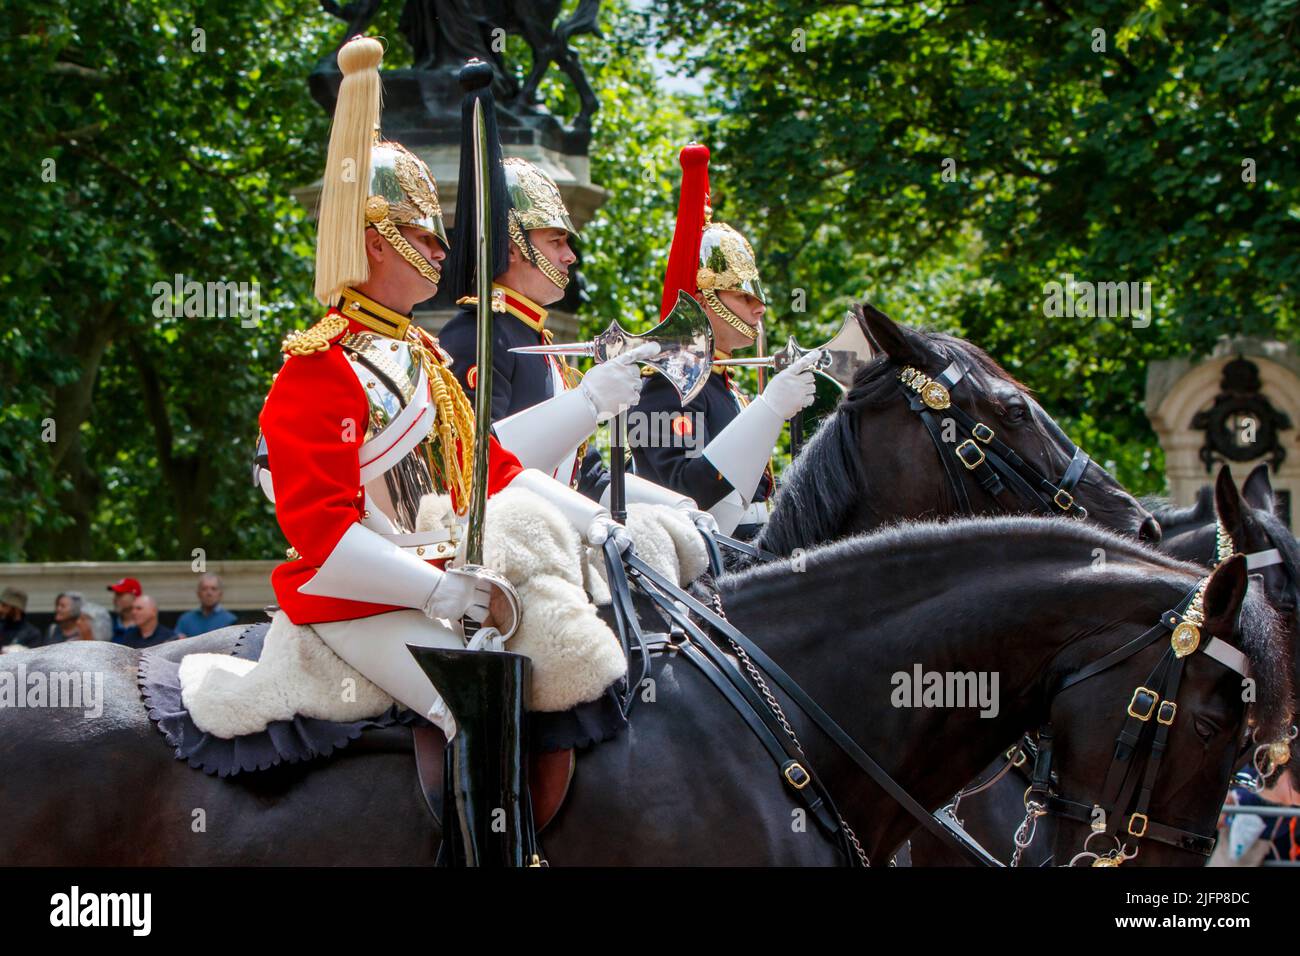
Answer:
(1149, 531)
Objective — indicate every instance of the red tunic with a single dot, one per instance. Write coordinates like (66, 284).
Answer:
(316, 473)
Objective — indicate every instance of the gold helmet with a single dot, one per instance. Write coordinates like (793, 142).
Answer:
(707, 257)
(369, 182)
(727, 261)
(535, 203)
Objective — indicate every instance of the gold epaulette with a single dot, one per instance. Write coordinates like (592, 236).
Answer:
(314, 339)
(498, 305)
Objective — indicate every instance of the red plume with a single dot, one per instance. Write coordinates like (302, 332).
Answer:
(684, 258)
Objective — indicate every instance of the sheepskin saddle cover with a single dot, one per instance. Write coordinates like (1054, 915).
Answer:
(574, 654)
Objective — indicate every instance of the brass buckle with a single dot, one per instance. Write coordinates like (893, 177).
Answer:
(970, 465)
(789, 771)
(1133, 821)
(1065, 505)
(982, 432)
(1017, 757)
(1166, 716)
(1155, 699)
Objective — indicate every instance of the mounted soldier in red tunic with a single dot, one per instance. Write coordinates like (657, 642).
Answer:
(364, 425)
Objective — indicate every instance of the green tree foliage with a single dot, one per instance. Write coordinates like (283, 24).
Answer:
(148, 140)
(151, 139)
(1113, 141)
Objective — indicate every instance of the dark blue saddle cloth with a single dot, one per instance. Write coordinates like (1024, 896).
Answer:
(308, 738)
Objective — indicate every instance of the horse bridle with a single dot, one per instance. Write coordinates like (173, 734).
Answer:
(993, 462)
(1140, 745)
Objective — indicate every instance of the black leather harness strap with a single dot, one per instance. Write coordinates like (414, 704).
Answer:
(994, 463)
(952, 836)
(626, 622)
(1130, 783)
(744, 547)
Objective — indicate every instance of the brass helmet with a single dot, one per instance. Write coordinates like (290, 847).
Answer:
(402, 190)
(535, 203)
(368, 182)
(727, 261)
(707, 257)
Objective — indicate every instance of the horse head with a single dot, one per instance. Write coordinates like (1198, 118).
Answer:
(883, 455)
(1187, 723)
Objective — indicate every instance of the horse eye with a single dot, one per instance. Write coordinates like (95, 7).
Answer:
(1205, 728)
(1015, 414)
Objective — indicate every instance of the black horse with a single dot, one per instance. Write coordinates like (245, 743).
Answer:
(1253, 527)
(872, 462)
(686, 784)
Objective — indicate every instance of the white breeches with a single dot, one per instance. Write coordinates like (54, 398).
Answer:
(376, 646)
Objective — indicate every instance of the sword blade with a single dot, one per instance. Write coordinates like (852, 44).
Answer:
(579, 349)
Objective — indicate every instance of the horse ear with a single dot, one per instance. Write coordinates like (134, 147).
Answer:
(889, 337)
(1258, 490)
(1227, 504)
(861, 318)
(1224, 593)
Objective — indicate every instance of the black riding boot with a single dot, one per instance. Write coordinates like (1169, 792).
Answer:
(487, 814)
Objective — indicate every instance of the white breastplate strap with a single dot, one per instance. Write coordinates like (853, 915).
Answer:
(410, 427)
(1228, 656)
(547, 436)
(1263, 559)
(429, 545)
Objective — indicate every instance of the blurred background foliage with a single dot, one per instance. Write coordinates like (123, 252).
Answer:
(831, 125)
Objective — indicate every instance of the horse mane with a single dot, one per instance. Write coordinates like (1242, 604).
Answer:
(1262, 637)
(1282, 538)
(1172, 516)
(826, 481)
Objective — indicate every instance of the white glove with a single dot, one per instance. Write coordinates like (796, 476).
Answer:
(701, 519)
(793, 389)
(460, 593)
(603, 527)
(615, 385)
(704, 521)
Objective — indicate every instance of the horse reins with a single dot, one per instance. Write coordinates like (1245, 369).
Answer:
(993, 462)
(1139, 749)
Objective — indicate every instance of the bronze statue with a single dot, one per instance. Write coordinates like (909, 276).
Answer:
(444, 34)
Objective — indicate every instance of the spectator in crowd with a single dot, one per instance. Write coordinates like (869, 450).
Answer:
(96, 617)
(14, 626)
(209, 615)
(1251, 839)
(125, 592)
(68, 625)
(146, 632)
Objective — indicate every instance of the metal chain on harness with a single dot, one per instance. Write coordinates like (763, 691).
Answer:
(1024, 834)
(757, 679)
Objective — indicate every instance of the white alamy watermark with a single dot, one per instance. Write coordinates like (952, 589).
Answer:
(76, 908)
(74, 690)
(666, 430)
(1102, 300)
(946, 689)
(192, 299)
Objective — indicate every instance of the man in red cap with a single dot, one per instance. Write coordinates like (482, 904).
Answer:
(125, 592)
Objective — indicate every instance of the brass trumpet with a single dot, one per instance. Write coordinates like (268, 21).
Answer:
(684, 337)
(846, 352)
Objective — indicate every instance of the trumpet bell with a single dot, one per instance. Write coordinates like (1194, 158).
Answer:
(685, 341)
(846, 352)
